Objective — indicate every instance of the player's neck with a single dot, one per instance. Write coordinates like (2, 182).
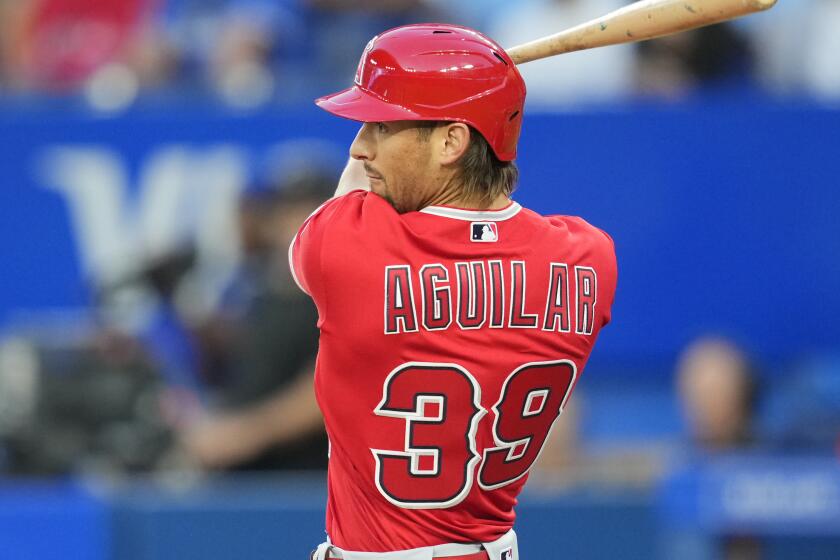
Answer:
(452, 195)
(498, 203)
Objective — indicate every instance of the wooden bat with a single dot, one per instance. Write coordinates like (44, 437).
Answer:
(641, 20)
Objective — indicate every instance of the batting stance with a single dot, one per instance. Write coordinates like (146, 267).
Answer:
(454, 322)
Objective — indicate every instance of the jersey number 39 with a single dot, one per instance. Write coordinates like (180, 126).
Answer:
(441, 407)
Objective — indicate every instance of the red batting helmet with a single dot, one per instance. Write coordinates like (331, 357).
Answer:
(437, 72)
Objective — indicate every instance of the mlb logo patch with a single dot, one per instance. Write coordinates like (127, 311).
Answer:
(484, 232)
(507, 554)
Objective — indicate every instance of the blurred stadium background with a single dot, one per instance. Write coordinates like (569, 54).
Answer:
(156, 154)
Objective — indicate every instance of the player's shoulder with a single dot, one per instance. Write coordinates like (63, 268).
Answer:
(588, 241)
(580, 230)
(593, 246)
(353, 206)
(340, 204)
(337, 214)
(322, 239)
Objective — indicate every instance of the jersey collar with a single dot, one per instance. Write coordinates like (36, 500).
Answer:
(502, 214)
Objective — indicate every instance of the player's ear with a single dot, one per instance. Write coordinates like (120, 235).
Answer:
(455, 139)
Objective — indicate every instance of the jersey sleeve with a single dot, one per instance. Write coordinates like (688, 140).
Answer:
(597, 250)
(610, 267)
(304, 252)
(307, 250)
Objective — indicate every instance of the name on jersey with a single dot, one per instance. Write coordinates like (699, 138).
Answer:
(476, 294)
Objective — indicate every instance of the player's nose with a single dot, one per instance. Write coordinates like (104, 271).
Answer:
(362, 147)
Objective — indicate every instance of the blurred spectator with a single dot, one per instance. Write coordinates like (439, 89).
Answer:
(595, 75)
(234, 48)
(262, 360)
(560, 459)
(568, 461)
(717, 392)
(152, 57)
(90, 405)
(252, 52)
(13, 15)
(59, 43)
(716, 387)
(714, 57)
(110, 397)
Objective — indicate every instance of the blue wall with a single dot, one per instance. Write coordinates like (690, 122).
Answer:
(790, 505)
(271, 518)
(52, 521)
(724, 216)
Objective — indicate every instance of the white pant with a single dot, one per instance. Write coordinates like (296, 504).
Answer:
(503, 548)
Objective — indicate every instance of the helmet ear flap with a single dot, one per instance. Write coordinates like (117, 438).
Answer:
(437, 72)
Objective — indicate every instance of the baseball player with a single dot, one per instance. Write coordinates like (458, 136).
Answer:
(454, 322)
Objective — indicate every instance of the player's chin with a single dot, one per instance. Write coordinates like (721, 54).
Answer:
(399, 207)
(396, 205)
(377, 186)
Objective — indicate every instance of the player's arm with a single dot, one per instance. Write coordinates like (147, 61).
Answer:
(225, 439)
(353, 178)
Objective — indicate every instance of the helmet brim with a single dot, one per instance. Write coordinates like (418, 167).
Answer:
(359, 105)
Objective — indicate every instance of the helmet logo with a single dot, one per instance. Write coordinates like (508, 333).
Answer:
(363, 62)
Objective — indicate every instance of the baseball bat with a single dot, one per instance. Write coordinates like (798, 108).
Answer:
(638, 21)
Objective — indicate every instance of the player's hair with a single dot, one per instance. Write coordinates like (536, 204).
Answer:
(482, 175)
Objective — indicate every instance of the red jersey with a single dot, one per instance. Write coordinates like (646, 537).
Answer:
(450, 341)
